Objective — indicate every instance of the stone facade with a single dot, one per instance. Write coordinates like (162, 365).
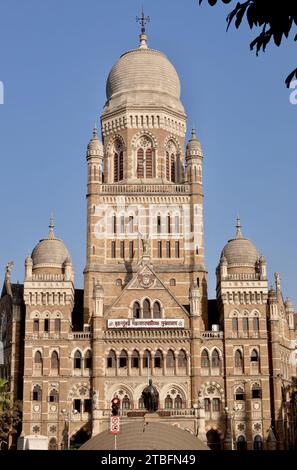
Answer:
(223, 367)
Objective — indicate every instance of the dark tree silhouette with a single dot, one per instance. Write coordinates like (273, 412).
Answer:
(274, 18)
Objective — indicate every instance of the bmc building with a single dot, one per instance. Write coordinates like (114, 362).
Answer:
(224, 368)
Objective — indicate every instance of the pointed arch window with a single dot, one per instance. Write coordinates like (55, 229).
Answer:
(173, 168)
(146, 309)
(36, 393)
(53, 396)
(215, 358)
(254, 356)
(118, 162)
(126, 403)
(157, 310)
(111, 360)
(158, 360)
(136, 310)
(54, 361)
(178, 403)
(238, 359)
(135, 360)
(88, 360)
(204, 359)
(147, 360)
(123, 359)
(140, 163)
(256, 391)
(38, 362)
(182, 359)
(77, 360)
(149, 163)
(170, 359)
(168, 403)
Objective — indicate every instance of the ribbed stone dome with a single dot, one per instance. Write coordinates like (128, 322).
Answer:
(143, 77)
(240, 250)
(50, 252)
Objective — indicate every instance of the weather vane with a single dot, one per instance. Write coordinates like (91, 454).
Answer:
(142, 20)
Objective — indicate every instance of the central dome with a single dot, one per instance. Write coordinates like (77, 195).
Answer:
(143, 77)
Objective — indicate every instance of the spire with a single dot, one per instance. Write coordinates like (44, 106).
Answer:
(238, 228)
(143, 37)
(193, 134)
(51, 226)
(95, 132)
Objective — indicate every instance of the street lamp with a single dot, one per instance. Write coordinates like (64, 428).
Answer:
(68, 415)
(231, 426)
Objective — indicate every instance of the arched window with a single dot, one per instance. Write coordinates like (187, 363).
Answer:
(77, 360)
(173, 168)
(149, 163)
(36, 393)
(172, 282)
(256, 391)
(256, 324)
(216, 405)
(258, 443)
(147, 360)
(146, 309)
(207, 405)
(215, 358)
(182, 359)
(140, 404)
(88, 360)
(136, 310)
(157, 310)
(126, 403)
(140, 163)
(204, 359)
(53, 396)
(241, 443)
(52, 445)
(238, 359)
(178, 403)
(118, 162)
(167, 167)
(135, 360)
(245, 325)
(170, 359)
(239, 394)
(38, 361)
(111, 360)
(158, 359)
(123, 360)
(254, 356)
(235, 325)
(54, 361)
(168, 403)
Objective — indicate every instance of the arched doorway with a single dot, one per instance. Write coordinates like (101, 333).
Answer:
(241, 443)
(213, 440)
(258, 443)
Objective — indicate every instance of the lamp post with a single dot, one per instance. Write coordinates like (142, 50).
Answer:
(229, 417)
(68, 415)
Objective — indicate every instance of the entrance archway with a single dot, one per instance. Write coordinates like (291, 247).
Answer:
(213, 440)
(241, 443)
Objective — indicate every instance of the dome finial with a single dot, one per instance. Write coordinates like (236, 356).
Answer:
(51, 226)
(95, 131)
(238, 228)
(143, 37)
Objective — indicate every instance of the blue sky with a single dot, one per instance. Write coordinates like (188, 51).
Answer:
(55, 56)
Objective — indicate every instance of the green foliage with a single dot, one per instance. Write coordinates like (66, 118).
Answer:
(10, 413)
(274, 18)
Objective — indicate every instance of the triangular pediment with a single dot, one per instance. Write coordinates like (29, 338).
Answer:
(145, 282)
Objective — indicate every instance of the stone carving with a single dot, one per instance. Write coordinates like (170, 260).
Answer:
(146, 246)
(8, 270)
(150, 396)
(200, 400)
